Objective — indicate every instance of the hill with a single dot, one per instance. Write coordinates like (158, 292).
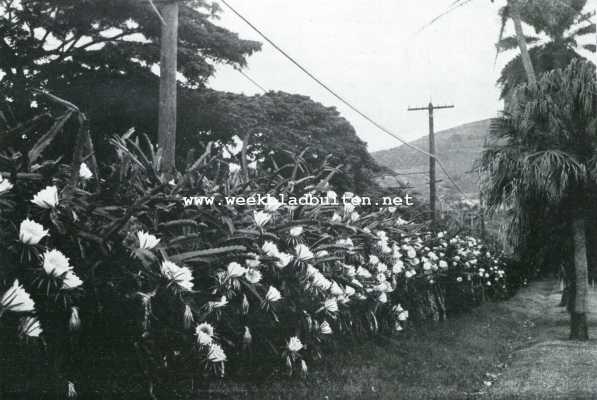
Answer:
(457, 147)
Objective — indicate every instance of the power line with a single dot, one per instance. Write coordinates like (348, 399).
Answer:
(454, 6)
(253, 81)
(341, 98)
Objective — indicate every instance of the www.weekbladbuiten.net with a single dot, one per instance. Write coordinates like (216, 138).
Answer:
(304, 200)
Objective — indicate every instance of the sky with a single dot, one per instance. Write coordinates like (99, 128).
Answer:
(375, 55)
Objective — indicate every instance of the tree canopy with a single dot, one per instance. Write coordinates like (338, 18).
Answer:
(47, 44)
(561, 26)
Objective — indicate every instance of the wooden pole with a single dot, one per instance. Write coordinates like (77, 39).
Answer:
(432, 193)
(432, 179)
(168, 68)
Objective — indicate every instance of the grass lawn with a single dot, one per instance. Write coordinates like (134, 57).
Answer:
(453, 359)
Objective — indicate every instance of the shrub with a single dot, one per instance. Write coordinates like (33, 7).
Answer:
(131, 289)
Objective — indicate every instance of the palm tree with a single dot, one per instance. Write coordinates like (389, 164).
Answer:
(544, 162)
(561, 21)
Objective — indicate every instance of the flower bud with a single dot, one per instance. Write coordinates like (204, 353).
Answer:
(304, 366)
(71, 391)
(74, 323)
(245, 304)
(247, 337)
(188, 317)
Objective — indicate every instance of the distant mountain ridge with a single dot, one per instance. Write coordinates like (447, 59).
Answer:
(457, 147)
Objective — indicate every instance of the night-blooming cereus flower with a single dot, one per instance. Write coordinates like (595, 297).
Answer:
(84, 172)
(270, 249)
(16, 299)
(261, 218)
(345, 242)
(398, 267)
(216, 353)
(218, 304)
(336, 290)
(235, 270)
(253, 275)
(330, 305)
(30, 232)
(5, 184)
(403, 316)
(233, 168)
(363, 273)
(181, 276)
(283, 259)
(350, 270)
(147, 240)
(204, 333)
(253, 262)
(349, 291)
(71, 281)
(303, 253)
(348, 208)
(272, 204)
(322, 253)
(272, 295)
(325, 328)
(29, 326)
(46, 198)
(294, 344)
(296, 231)
(55, 263)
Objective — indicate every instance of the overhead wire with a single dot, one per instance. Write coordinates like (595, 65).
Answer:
(341, 98)
(253, 81)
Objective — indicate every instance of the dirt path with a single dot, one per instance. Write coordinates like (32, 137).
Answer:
(553, 367)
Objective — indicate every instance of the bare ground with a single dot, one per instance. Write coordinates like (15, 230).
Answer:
(552, 367)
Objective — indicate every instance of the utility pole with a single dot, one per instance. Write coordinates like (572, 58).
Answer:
(168, 68)
(432, 179)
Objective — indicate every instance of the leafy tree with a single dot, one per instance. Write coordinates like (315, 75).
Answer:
(544, 162)
(54, 44)
(562, 21)
(281, 124)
